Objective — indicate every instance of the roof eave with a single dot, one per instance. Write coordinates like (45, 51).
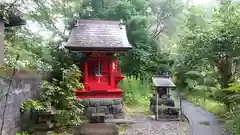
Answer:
(98, 49)
(171, 85)
(13, 20)
(166, 86)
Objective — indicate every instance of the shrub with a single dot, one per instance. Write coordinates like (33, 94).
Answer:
(136, 91)
(32, 105)
(60, 94)
(23, 133)
(209, 105)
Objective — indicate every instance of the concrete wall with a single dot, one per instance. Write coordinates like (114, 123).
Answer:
(1, 43)
(25, 85)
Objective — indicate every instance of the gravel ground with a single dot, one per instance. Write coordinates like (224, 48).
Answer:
(224, 131)
(146, 126)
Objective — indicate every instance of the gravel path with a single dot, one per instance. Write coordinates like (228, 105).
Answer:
(146, 126)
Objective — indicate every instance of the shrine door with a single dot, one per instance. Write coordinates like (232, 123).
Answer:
(98, 71)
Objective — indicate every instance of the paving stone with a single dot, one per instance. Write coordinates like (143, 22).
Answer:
(202, 122)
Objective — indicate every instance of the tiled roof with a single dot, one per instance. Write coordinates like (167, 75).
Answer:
(12, 15)
(161, 81)
(13, 21)
(98, 35)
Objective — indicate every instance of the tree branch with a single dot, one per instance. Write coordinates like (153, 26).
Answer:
(159, 24)
(63, 10)
(50, 21)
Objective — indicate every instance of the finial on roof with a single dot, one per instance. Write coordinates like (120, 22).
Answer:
(121, 21)
(121, 24)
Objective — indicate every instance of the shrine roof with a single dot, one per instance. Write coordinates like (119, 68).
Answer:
(13, 17)
(98, 35)
(13, 20)
(162, 81)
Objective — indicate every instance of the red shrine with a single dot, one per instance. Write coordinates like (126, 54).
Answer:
(99, 41)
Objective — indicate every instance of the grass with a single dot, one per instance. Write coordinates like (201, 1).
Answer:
(136, 98)
(123, 128)
(137, 92)
(208, 104)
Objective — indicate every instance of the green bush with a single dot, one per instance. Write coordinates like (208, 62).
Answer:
(232, 117)
(32, 105)
(23, 133)
(209, 105)
(137, 92)
(59, 94)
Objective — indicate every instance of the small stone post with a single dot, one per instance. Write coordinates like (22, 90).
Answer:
(180, 102)
(157, 105)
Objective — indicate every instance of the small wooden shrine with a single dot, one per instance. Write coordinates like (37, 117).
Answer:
(162, 105)
(99, 41)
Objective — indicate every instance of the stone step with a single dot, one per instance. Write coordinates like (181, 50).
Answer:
(96, 129)
(116, 121)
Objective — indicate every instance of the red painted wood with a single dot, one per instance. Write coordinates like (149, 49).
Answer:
(85, 73)
(105, 84)
(110, 93)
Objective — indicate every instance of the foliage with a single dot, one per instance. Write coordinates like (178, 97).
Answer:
(32, 105)
(60, 94)
(208, 104)
(28, 47)
(137, 92)
(22, 133)
(143, 33)
(233, 118)
(61, 59)
(207, 59)
(213, 43)
(201, 50)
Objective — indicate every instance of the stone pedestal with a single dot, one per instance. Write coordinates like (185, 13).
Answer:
(44, 122)
(41, 122)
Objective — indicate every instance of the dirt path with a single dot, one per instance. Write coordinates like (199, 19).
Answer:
(146, 126)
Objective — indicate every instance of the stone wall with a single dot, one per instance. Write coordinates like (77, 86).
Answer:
(25, 85)
(1, 43)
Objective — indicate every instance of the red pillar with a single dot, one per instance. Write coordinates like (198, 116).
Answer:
(111, 73)
(85, 73)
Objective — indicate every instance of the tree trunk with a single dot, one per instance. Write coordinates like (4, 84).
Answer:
(225, 78)
(224, 66)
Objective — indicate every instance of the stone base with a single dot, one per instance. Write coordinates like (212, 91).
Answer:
(109, 108)
(96, 129)
(43, 133)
